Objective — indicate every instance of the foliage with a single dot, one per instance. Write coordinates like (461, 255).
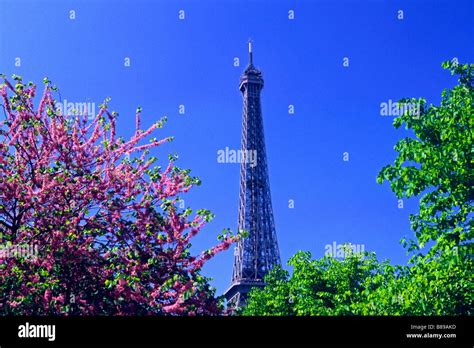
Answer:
(110, 236)
(437, 286)
(439, 164)
(316, 287)
(359, 285)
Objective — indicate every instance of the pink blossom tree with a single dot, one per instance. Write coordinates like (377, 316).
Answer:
(110, 236)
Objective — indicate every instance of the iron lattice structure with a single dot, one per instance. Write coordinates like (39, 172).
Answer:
(258, 253)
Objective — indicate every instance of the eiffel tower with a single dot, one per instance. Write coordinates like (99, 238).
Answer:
(257, 253)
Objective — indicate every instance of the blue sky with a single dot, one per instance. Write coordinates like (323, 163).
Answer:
(190, 62)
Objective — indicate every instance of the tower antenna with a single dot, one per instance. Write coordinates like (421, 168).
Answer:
(250, 52)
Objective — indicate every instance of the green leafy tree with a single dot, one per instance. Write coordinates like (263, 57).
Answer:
(438, 286)
(327, 286)
(364, 286)
(438, 164)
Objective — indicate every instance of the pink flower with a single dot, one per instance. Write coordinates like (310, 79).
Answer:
(174, 308)
(47, 295)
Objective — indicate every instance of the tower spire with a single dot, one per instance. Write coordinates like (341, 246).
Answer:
(250, 52)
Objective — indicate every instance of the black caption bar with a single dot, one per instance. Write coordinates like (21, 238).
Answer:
(416, 331)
